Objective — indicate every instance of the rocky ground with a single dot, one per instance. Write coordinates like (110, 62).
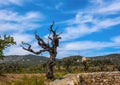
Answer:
(97, 78)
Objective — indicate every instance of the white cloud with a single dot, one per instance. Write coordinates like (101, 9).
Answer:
(16, 24)
(104, 7)
(79, 26)
(13, 21)
(17, 2)
(108, 22)
(87, 45)
(112, 7)
(78, 31)
(16, 50)
(65, 53)
(23, 37)
(116, 39)
(74, 32)
(88, 48)
(7, 15)
(83, 18)
(10, 2)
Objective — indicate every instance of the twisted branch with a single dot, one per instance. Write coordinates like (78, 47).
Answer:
(31, 50)
(41, 43)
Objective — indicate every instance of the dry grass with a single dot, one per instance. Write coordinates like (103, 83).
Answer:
(17, 77)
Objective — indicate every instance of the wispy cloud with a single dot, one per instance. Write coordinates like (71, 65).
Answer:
(17, 49)
(12, 2)
(112, 7)
(23, 37)
(116, 39)
(82, 29)
(74, 32)
(86, 22)
(10, 20)
(16, 24)
(85, 47)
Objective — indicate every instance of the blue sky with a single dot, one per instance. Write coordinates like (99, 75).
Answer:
(90, 27)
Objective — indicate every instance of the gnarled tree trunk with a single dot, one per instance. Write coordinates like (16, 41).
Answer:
(52, 49)
(51, 63)
(49, 69)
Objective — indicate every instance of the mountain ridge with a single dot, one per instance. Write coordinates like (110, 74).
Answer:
(36, 59)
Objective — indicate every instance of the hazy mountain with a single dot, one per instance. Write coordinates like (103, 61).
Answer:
(31, 60)
(25, 59)
(115, 58)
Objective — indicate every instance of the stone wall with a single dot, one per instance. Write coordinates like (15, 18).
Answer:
(97, 78)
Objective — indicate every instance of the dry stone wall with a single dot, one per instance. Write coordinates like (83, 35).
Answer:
(97, 78)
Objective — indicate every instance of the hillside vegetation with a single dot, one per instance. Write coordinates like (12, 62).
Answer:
(71, 64)
(35, 60)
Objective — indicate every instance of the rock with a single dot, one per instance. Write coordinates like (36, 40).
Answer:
(66, 81)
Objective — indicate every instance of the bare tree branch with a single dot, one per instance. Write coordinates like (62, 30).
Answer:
(59, 33)
(31, 50)
(50, 38)
(41, 42)
(51, 28)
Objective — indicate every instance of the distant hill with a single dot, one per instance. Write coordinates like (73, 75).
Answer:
(27, 60)
(32, 60)
(74, 58)
(115, 58)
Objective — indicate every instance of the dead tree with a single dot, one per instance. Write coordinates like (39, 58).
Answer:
(51, 48)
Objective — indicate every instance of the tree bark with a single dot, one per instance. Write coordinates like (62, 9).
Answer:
(49, 67)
